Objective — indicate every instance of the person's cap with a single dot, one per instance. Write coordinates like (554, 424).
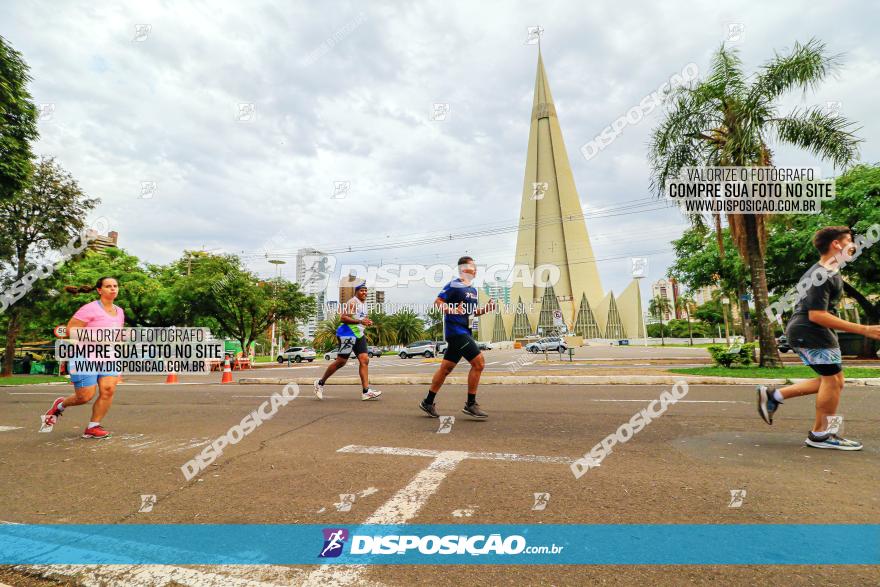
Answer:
(362, 285)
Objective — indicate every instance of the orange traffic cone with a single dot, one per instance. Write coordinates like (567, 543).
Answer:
(227, 372)
(172, 378)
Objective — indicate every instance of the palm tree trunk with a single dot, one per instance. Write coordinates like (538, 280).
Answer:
(662, 334)
(766, 340)
(690, 332)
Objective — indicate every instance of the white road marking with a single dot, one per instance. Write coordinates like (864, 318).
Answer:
(9, 428)
(401, 508)
(482, 456)
(406, 503)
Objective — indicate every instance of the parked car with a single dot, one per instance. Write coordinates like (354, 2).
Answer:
(425, 348)
(297, 354)
(484, 346)
(441, 345)
(549, 343)
(782, 344)
(372, 351)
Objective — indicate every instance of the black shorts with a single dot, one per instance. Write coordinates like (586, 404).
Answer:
(460, 345)
(827, 370)
(347, 344)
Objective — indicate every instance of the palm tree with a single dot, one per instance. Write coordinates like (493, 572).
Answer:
(659, 306)
(685, 302)
(728, 119)
(407, 326)
(381, 333)
(434, 331)
(325, 333)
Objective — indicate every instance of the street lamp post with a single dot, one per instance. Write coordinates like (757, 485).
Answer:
(725, 301)
(278, 263)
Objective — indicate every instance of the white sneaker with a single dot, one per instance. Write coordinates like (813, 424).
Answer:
(319, 389)
(370, 394)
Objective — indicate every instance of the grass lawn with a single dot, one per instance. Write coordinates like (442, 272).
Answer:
(264, 359)
(793, 372)
(30, 379)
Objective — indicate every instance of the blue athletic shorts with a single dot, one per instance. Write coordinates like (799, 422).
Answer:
(823, 361)
(88, 379)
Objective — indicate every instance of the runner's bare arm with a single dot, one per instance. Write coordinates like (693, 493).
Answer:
(74, 323)
(347, 315)
(829, 320)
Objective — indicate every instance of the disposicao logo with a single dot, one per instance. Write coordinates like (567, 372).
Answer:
(334, 540)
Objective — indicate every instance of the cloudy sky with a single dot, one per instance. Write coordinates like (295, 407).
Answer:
(344, 92)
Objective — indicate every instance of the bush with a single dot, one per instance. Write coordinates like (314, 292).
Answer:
(736, 354)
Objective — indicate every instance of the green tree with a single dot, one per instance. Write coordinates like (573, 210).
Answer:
(407, 326)
(699, 262)
(728, 119)
(18, 122)
(139, 292)
(434, 324)
(857, 205)
(289, 331)
(244, 307)
(381, 333)
(325, 333)
(685, 303)
(47, 216)
(657, 307)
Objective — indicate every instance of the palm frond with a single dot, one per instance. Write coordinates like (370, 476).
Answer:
(820, 132)
(805, 67)
(726, 78)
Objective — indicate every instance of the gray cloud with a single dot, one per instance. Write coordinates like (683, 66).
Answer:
(165, 110)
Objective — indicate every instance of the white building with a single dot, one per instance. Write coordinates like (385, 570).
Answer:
(313, 275)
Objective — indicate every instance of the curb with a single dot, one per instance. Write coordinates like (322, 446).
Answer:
(425, 379)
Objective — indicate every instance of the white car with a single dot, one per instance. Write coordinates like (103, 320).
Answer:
(425, 348)
(297, 354)
(550, 343)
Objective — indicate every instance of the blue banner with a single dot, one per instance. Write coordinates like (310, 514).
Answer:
(539, 544)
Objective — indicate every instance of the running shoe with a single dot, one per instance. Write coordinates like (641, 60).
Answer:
(370, 394)
(96, 432)
(474, 410)
(832, 441)
(766, 404)
(54, 412)
(429, 409)
(319, 389)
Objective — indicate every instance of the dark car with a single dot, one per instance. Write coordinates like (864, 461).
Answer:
(782, 344)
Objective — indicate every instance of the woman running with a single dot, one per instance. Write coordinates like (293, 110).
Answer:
(101, 313)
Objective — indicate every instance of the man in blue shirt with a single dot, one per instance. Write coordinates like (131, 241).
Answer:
(458, 302)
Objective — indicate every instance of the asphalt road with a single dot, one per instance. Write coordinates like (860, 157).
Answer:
(290, 470)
